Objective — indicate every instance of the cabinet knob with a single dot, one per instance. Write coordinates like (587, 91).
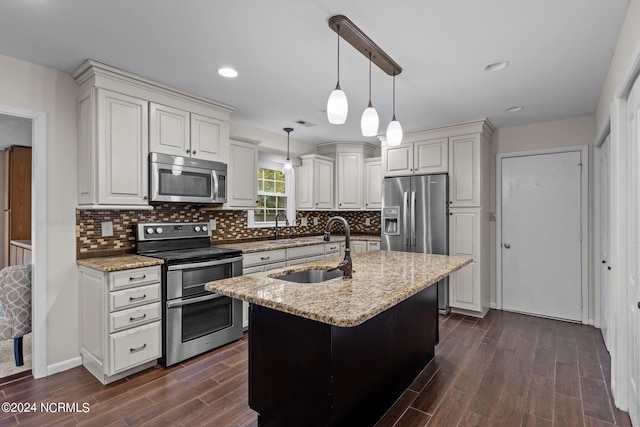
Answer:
(507, 245)
(188, 151)
(450, 201)
(145, 198)
(609, 268)
(194, 152)
(316, 203)
(638, 304)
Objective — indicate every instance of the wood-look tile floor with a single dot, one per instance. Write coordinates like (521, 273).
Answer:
(504, 370)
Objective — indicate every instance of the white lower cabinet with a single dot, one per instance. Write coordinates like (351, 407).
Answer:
(465, 284)
(302, 254)
(257, 262)
(120, 328)
(373, 246)
(331, 250)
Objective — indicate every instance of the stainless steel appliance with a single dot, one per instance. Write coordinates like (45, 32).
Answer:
(194, 320)
(176, 179)
(414, 219)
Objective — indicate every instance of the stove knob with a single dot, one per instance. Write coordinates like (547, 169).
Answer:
(204, 228)
(197, 228)
(150, 230)
(159, 230)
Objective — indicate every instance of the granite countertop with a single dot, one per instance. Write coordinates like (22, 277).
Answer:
(381, 279)
(268, 245)
(117, 263)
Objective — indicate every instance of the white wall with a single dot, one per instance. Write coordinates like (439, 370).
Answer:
(32, 87)
(561, 133)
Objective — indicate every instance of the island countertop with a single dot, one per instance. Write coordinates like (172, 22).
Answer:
(381, 279)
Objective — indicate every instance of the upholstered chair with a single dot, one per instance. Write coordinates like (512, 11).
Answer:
(15, 306)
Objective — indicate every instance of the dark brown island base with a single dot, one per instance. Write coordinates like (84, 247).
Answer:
(339, 352)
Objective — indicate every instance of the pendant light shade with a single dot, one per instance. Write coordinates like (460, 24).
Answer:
(394, 130)
(337, 105)
(288, 166)
(369, 121)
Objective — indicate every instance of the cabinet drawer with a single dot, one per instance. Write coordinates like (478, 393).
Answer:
(305, 251)
(134, 347)
(332, 248)
(264, 257)
(304, 260)
(135, 277)
(134, 317)
(134, 297)
(373, 246)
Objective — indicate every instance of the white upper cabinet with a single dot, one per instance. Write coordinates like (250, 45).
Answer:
(349, 181)
(242, 179)
(315, 182)
(180, 133)
(122, 117)
(464, 185)
(209, 138)
(373, 183)
(418, 157)
(114, 156)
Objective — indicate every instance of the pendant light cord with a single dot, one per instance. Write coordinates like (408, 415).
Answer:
(370, 105)
(338, 84)
(394, 96)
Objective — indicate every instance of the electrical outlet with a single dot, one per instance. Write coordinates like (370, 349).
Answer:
(303, 222)
(315, 221)
(212, 224)
(107, 229)
(367, 221)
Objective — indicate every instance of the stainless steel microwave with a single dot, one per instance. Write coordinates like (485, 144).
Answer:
(175, 179)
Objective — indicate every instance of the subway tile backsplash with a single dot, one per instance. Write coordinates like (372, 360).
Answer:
(231, 226)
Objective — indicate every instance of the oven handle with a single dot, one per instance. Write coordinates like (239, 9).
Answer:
(188, 301)
(204, 264)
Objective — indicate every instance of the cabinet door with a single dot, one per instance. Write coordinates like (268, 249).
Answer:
(358, 247)
(304, 187)
(349, 180)
(168, 130)
(464, 169)
(242, 180)
(431, 156)
(123, 141)
(373, 246)
(464, 284)
(372, 184)
(398, 160)
(209, 138)
(323, 184)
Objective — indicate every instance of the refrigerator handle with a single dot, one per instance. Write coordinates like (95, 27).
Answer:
(413, 217)
(404, 218)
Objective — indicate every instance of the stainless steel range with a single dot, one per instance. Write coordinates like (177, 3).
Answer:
(194, 320)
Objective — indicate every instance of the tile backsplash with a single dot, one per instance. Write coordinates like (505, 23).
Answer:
(231, 226)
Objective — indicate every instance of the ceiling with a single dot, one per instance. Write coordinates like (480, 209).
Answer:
(559, 53)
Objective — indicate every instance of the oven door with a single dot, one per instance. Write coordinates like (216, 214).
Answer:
(196, 320)
(198, 324)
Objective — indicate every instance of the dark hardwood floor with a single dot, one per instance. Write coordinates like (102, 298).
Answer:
(504, 370)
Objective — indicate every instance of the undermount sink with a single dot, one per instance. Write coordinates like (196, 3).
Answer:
(310, 276)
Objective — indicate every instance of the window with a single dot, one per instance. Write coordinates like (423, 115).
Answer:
(276, 193)
(272, 195)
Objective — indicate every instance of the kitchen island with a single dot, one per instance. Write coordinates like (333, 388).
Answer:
(339, 352)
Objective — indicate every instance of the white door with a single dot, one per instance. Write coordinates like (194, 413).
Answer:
(605, 244)
(633, 242)
(541, 234)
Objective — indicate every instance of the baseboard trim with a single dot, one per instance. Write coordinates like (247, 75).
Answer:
(64, 365)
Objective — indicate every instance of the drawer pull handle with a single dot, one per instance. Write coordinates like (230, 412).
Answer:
(135, 350)
(333, 248)
(135, 319)
(144, 276)
(264, 258)
(132, 299)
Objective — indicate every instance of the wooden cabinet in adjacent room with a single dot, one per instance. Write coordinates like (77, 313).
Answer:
(17, 197)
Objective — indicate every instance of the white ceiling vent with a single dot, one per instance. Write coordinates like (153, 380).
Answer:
(305, 123)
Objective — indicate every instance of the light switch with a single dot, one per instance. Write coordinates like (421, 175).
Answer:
(212, 224)
(315, 221)
(107, 229)
(367, 221)
(303, 222)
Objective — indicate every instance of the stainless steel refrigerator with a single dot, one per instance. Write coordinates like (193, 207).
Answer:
(414, 219)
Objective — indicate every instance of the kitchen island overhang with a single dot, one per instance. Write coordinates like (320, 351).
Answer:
(340, 352)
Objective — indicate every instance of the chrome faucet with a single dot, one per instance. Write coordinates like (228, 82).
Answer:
(276, 232)
(346, 265)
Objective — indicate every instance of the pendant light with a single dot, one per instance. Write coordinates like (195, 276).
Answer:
(394, 130)
(337, 105)
(369, 122)
(288, 167)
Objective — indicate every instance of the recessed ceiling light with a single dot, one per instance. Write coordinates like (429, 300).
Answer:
(497, 66)
(514, 109)
(228, 72)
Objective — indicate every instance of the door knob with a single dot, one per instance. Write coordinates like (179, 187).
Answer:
(507, 245)
(638, 304)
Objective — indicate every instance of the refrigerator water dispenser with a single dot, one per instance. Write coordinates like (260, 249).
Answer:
(391, 220)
